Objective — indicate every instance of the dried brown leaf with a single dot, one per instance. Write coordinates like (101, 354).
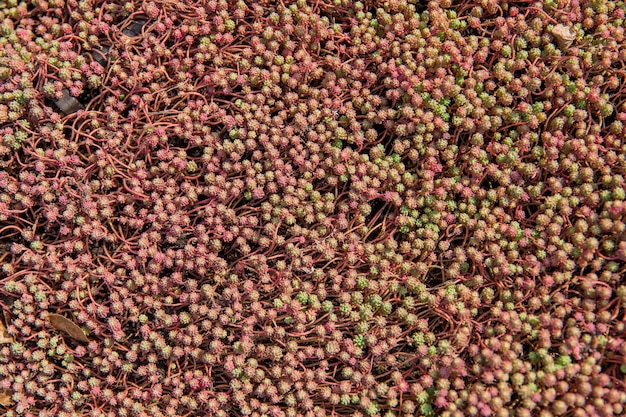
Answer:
(5, 398)
(66, 325)
(5, 337)
(564, 35)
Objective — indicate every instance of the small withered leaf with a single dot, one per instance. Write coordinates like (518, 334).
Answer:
(564, 35)
(5, 337)
(65, 325)
(5, 398)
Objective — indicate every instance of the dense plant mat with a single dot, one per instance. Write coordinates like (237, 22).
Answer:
(324, 208)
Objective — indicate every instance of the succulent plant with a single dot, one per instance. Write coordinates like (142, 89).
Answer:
(312, 208)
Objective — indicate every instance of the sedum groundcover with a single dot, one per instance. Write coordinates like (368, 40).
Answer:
(312, 208)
